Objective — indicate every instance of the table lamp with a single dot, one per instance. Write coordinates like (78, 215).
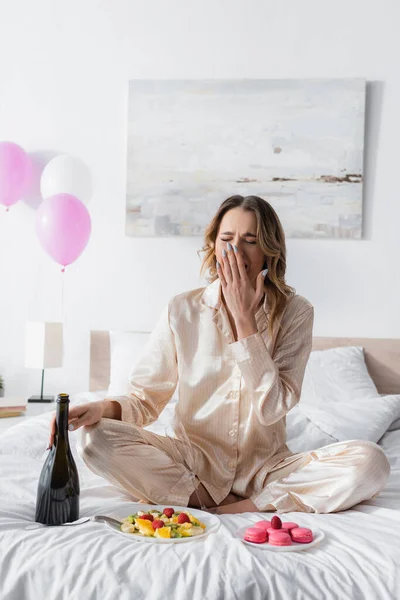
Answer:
(43, 350)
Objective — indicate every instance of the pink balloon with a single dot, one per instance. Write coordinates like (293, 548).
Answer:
(14, 170)
(63, 226)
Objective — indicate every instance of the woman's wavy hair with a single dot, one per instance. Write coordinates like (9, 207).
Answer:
(271, 240)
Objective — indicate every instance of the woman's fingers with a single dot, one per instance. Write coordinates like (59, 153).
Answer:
(53, 424)
(226, 266)
(240, 264)
(77, 417)
(233, 264)
(221, 274)
(74, 424)
(75, 412)
(52, 430)
(73, 418)
(231, 255)
(83, 414)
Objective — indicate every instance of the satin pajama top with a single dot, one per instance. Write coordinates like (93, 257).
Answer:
(232, 395)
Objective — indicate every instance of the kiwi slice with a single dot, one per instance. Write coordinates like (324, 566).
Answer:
(176, 534)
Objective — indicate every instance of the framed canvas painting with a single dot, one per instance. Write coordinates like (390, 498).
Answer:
(296, 143)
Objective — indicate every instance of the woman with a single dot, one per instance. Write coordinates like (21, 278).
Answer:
(238, 349)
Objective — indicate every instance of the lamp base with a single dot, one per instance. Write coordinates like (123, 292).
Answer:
(41, 399)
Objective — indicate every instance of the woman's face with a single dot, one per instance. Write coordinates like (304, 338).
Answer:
(239, 227)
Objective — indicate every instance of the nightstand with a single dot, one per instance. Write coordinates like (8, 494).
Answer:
(32, 409)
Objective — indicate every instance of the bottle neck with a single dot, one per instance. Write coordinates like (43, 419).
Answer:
(62, 422)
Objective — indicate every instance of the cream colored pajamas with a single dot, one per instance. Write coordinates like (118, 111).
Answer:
(233, 398)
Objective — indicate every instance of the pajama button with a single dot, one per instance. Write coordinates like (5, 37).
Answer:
(232, 432)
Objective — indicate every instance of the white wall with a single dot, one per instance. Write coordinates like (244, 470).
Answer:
(64, 68)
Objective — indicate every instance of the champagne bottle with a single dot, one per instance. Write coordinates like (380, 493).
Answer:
(58, 489)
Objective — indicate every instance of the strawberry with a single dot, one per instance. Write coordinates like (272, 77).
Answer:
(148, 517)
(157, 523)
(183, 518)
(168, 512)
(276, 523)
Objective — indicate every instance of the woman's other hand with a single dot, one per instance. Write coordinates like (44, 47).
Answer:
(83, 414)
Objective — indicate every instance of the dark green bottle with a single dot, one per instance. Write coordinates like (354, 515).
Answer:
(58, 490)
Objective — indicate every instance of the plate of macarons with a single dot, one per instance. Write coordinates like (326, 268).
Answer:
(279, 536)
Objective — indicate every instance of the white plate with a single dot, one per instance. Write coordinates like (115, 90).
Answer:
(211, 522)
(295, 547)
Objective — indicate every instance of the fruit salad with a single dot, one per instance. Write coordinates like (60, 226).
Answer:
(166, 524)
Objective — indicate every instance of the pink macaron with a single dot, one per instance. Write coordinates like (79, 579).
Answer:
(302, 535)
(289, 525)
(262, 525)
(279, 538)
(272, 529)
(255, 535)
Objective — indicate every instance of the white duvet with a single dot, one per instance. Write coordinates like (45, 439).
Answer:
(358, 559)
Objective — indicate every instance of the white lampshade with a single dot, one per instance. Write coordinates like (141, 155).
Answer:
(43, 345)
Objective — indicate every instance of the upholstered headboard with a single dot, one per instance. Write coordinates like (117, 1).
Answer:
(382, 357)
(99, 360)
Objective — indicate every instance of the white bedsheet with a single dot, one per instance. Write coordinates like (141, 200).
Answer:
(358, 559)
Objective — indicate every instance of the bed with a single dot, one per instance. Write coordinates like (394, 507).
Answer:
(359, 557)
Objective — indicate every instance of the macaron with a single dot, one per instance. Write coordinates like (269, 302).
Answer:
(289, 525)
(279, 538)
(302, 535)
(262, 525)
(255, 535)
(272, 529)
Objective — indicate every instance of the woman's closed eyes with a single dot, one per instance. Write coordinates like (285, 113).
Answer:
(252, 243)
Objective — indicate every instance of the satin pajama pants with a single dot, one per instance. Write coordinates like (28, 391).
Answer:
(330, 479)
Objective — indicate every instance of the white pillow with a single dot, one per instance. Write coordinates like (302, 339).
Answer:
(302, 434)
(336, 375)
(125, 350)
(362, 419)
(339, 396)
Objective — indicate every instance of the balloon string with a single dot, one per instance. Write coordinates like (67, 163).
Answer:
(62, 295)
(63, 324)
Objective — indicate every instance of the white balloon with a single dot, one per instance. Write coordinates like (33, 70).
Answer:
(69, 175)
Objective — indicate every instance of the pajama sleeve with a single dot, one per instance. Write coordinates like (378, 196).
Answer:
(153, 379)
(275, 382)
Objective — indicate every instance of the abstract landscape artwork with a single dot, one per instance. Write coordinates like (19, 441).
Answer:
(296, 143)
